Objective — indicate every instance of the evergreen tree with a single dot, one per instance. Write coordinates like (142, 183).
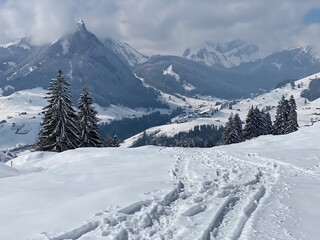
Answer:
(114, 141)
(268, 123)
(292, 124)
(238, 126)
(281, 118)
(259, 120)
(59, 131)
(88, 121)
(250, 127)
(230, 133)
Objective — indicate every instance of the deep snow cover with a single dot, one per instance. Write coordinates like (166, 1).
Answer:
(266, 188)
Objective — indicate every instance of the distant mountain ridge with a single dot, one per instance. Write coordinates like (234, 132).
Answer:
(84, 59)
(127, 53)
(228, 70)
(227, 54)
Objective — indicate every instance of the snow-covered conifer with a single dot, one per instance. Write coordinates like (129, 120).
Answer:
(268, 123)
(250, 127)
(281, 119)
(59, 131)
(238, 126)
(230, 133)
(292, 124)
(88, 121)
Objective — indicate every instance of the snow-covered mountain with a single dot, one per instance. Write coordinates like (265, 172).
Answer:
(84, 59)
(172, 74)
(248, 78)
(127, 53)
(293, 63)
(14, 52)
(227, 55)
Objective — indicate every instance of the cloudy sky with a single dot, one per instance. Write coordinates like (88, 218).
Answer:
(167, 26)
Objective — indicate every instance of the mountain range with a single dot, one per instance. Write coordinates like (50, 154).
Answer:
(113, 70)
(84, 59)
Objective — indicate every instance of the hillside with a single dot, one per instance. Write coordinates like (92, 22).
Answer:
(237, 191)
(307, 111)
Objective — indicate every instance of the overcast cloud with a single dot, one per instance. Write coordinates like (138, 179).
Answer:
(166, 26)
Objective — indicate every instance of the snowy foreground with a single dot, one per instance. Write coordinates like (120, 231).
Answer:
(268, 188)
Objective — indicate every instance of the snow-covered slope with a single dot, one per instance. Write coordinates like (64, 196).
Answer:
(228, 54)
(267, 188)
(20, 117)
(127, 53)
(308, 112)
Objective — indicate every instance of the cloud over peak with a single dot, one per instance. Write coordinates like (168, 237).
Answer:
(164, 26)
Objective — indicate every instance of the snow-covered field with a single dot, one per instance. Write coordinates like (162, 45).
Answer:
(266, 188)
(20, 116)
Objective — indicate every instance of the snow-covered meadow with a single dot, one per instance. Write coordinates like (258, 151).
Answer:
(266, 188)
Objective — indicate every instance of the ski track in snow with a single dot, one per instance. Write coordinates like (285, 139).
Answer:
(216, 196)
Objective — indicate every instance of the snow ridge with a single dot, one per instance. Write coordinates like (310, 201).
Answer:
(228, 54)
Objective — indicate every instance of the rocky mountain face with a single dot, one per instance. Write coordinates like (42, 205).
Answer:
(127, 53)
(173, 74)
(281, 65)
(14, 52)
(84, 59)
(227, 70)
(227, 55)
(227, 76)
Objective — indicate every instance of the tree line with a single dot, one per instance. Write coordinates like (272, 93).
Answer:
(62, 127)
(200, 136)
(127, 127)
(258, 122)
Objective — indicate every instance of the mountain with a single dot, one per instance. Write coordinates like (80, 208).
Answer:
(281, 65)
(227, 55)
(84, 60)
(14, 52)
(127, 53)
(308, 111)
(172, 74)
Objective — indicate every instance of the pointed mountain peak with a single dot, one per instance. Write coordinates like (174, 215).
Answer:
(81, 25)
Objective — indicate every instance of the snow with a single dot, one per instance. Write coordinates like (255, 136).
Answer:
(6, 45)
(308, 112)
(65, 46)
(277, 65)
(169, 71)
(16, 42)
(131, 55)
(10, 64)
(265, 188)
(76, 184)
(188, 86)
(20, 116)
(221, 54)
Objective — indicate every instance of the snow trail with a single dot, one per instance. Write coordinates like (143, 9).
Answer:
(215, 195)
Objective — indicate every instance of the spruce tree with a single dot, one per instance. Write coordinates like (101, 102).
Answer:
(250, 127)
(268, 123)
(230, 133)
(281, 118)
(238, 126)
(59, 131)
(292, 124)
(260, 123)
(88, 121)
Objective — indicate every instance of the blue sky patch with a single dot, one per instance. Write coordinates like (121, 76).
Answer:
(312, 16)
